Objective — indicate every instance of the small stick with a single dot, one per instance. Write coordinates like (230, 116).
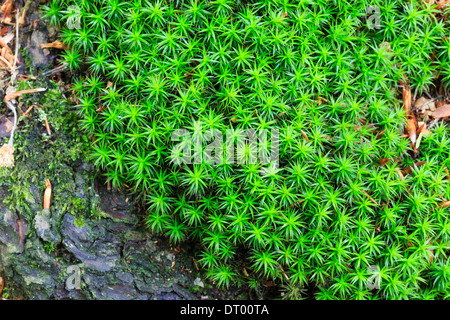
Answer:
(17, 94)
(371, 199)
(55, 70)
(7, 63)
(47, 194)
(445, 204)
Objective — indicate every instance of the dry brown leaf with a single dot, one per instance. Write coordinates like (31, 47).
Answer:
(439, 103)
(4, 5)
(371, 199)
(411, 130)
(8, 20)
(381, 133)
(383, 161)
(442, 112)
(423, 129)
(4, 31)
(423, 104)
(411, 167)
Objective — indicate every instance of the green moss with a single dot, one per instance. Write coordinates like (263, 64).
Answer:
(79, 222)
(327, 211)
(49, 247)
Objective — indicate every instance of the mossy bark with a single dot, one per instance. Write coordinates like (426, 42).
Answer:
(86, 228)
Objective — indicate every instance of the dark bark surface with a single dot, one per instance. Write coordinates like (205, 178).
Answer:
(116, 258)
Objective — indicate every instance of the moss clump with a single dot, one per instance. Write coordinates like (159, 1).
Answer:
(39, 157)
(324, 212)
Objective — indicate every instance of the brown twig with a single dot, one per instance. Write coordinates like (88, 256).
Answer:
(304, 135)
(47, 194)
(16, 94)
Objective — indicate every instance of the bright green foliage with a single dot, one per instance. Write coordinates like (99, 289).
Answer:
(315, 71)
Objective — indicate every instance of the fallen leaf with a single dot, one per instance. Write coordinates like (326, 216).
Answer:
(439, 103)
(411, 167)
(423, 129)
(442, 112)
(4, 31)
(445, 204)
(47, 194)
(381, 133)
(411, 130)
(3, 7)
(425, 104)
